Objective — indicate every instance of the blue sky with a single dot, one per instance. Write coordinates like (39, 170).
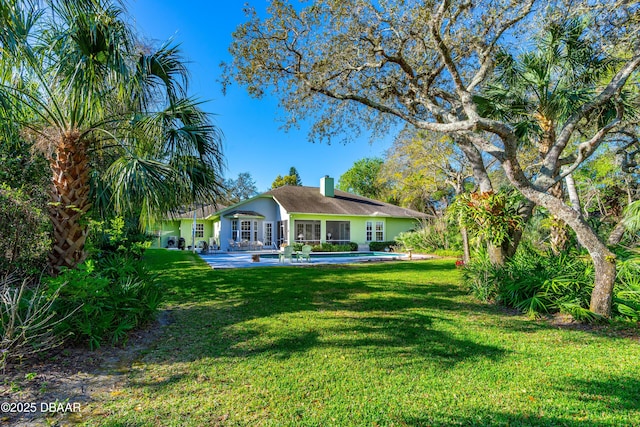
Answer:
(253, 140)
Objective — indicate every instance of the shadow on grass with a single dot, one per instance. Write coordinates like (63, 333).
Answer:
(386, 308)
(617, 396)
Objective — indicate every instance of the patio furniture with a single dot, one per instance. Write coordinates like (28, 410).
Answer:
(258, 245)
(233, 245)
(287, 252)
(305, 253)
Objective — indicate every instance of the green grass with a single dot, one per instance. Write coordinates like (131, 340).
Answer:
(390, 344)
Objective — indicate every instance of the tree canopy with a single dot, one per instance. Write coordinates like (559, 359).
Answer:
(363, 178)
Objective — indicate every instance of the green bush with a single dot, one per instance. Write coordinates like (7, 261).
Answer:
(24, 229)
(330, 247)
(114, 300)
(381, 246)
(430, 236)
(537, 283)
(626, 299)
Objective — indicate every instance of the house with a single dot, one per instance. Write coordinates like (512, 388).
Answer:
(291, 214)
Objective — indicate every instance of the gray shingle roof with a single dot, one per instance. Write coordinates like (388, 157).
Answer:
(201, 212)
(300, 199)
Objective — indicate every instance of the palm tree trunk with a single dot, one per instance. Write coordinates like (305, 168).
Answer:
(69, 201)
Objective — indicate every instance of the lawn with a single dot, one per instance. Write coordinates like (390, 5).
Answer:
(389, 344)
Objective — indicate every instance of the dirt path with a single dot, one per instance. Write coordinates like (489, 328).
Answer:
(56, 389)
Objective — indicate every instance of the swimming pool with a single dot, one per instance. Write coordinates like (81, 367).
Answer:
(266, 259)
(323, 255)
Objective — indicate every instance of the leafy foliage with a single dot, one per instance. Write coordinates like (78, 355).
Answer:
(432, 235)
(292, 179)
(24, 228)
(363, 178)
(381, 246)
(114, 300)
(328, 247)
(490, 216)
(538, 283)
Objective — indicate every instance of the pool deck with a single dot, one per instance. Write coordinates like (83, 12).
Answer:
(243, 260)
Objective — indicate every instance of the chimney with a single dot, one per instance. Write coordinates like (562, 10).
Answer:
(326, 186)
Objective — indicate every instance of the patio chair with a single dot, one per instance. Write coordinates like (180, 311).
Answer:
(305, 253)
(287, 252)
(258, 245)
(233, 245)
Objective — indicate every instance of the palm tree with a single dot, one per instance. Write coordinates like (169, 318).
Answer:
(539, 90)
(113, 117)
(539, 93)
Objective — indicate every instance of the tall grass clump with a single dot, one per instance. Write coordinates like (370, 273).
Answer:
(27, 318)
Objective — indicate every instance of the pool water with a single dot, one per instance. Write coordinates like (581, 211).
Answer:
(344, 255)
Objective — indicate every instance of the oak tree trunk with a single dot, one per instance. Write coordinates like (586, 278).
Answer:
(69, 201)
(603, 259)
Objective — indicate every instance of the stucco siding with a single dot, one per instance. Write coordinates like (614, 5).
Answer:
(358, 226)
(395, 226)
(167, 229)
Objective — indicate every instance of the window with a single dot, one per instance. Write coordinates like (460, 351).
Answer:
(379, 231)
(268, 233)
(234, 230)
(338, 232)
(199, 230)
(307, 231)
(245, 230)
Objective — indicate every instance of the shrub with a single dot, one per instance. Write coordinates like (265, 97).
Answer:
(25, 233)
(330, 247)
(27, 318)
(430, 236)
(626, 299)
(482, 278)
(534, 283)
(114, 300)
(381, 246)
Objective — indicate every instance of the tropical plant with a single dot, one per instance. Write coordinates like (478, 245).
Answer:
(102, 302)
(111, 115)
(27, 318)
